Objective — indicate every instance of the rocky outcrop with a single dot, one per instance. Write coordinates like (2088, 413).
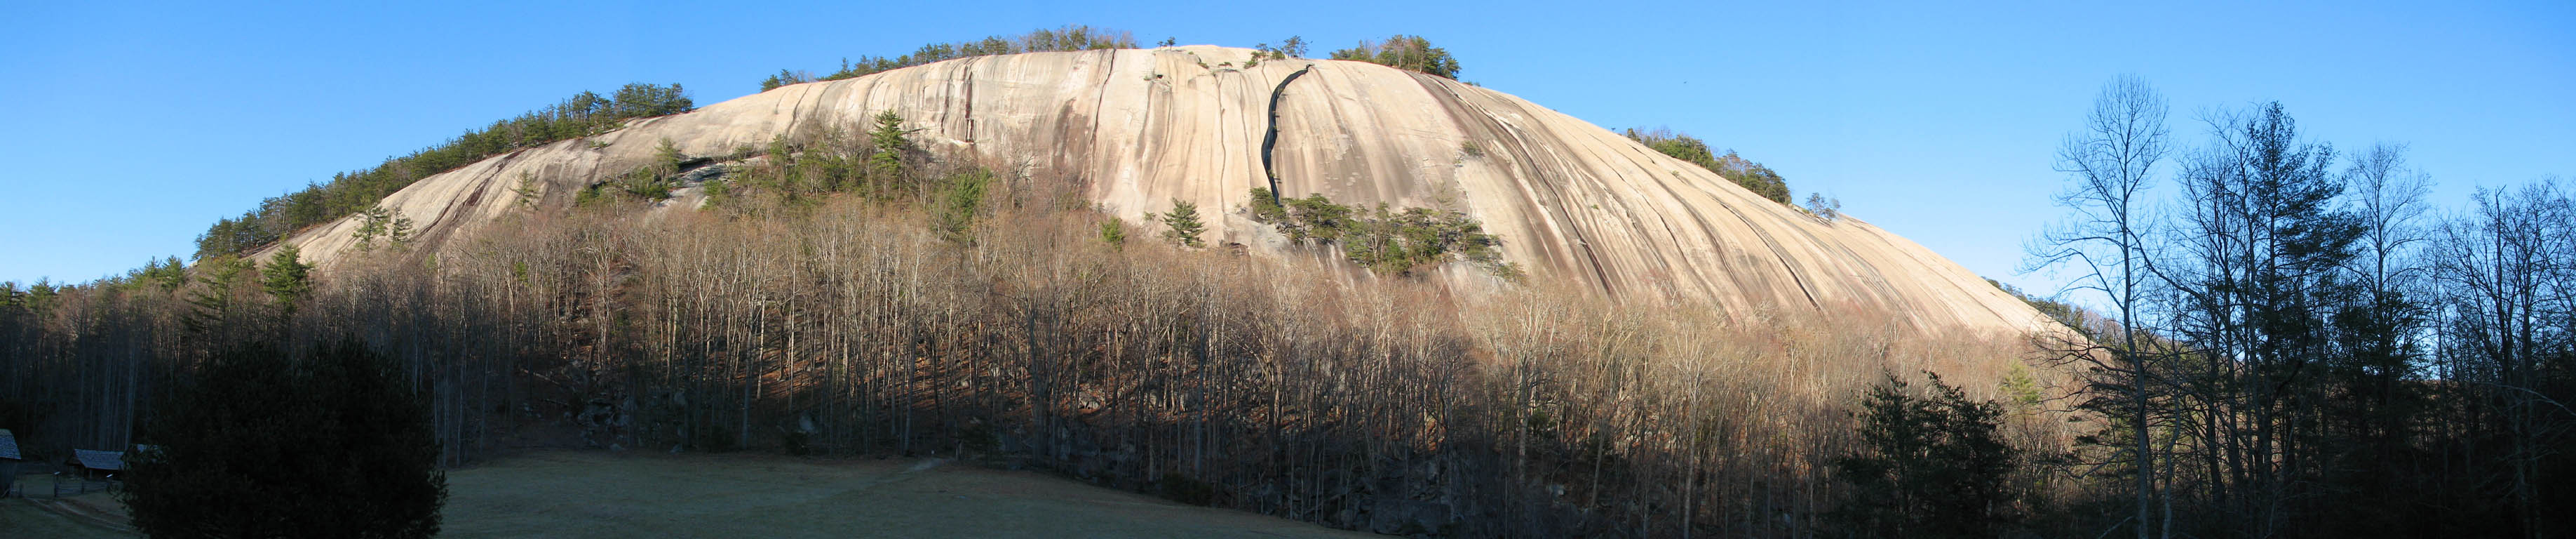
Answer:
(1137, 128)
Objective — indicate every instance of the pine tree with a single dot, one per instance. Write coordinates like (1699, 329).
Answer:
(1183, 223)
(169, 274)
(400, 232)
(211, 305)
(1114, 233)
(963, 201)
(667, 158)
(287, 278)
(890, 141)
(372, 224)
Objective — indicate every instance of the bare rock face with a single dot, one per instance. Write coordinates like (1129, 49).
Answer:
(1140, 127)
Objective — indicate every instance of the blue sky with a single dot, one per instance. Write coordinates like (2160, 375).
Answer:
(129, 128)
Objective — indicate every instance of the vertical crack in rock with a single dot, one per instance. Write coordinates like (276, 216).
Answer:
(966, 114)
(1270, 135)
(1099, 104)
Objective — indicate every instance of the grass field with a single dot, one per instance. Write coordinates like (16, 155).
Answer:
(589, 494)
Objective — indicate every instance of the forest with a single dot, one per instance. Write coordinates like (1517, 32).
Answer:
(873, 318)
(584, 114)
(2290, 341)
(2296, 342)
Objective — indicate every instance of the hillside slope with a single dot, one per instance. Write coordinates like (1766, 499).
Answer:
(1138, 128)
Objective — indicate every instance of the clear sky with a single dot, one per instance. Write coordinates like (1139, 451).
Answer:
(130, 127)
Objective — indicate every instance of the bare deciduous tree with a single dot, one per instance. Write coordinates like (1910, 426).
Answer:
(2110, 165)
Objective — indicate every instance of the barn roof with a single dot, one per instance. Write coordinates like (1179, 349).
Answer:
(99, 460)
(9, 446)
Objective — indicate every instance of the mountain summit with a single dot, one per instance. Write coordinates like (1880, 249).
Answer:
(1136, 129)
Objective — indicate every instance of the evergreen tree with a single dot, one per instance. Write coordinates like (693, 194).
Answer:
(212, 304)
(1183, 224)
(258, 444)
(399, 232)
(287, 278)
(168, 273)
(891, 142)
(962, 202)
(1931, 465)
(2260, 245)
(1114, 233)
(786, 77)
(667, 158)
(378, 222)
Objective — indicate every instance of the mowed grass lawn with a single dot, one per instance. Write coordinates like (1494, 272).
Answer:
(592, 494)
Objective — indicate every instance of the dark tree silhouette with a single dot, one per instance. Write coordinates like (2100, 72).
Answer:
(260, 444)
(1934, 464)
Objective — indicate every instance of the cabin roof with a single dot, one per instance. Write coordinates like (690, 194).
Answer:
(99, 460)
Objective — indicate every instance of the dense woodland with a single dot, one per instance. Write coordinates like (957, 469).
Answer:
(348, 193)
(2295, 343)
(2298, 343)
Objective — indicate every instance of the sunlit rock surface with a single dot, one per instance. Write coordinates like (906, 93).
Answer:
(1140, 127)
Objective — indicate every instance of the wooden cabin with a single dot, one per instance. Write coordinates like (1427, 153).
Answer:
(94, 464)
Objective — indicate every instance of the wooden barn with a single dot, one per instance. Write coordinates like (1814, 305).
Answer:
(98, 464)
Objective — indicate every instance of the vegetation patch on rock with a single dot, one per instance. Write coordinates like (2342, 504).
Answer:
(1387, 241)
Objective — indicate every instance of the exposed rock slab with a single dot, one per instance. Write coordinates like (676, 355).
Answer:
(1140, 127)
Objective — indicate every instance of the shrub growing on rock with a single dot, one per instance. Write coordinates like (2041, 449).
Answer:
(1411, 53)
(1753, 176)
(1385, 240)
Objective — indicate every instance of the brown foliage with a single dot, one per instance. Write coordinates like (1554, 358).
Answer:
(1265, 385)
